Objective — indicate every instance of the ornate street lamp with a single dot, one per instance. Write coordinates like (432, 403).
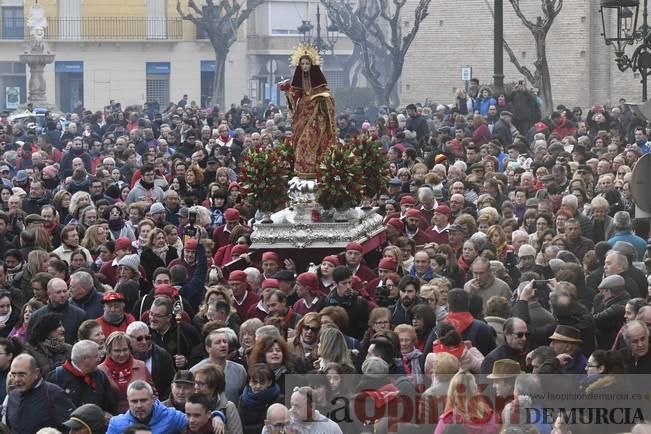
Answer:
(624, 14)
(322, 45)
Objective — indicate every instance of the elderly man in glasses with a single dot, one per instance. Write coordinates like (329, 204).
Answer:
(159, 362)
(514, 347)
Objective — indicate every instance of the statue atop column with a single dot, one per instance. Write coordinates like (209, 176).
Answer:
(37, 57)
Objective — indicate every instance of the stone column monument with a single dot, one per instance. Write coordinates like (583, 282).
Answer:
(37, 57)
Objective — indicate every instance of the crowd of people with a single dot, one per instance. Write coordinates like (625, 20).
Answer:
(512, 252)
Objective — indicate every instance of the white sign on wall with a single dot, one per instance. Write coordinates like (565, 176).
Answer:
(466, 73)
(12, 97)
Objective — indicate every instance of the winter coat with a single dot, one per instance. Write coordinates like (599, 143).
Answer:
(44, 405)
(163, 419)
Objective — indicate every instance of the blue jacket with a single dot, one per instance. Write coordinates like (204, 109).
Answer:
(638, 242)
(481, 105)
(164, 420)
(92, 304)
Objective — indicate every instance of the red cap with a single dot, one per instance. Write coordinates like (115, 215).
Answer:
(407, 200)
(271, 256)
(237, 276)
(332, 259)
(233, 185)
(413, 212)
(401, 147)
(388, 264)
(442, 209)
(231, 214)
(355, 246)
(270, 283)
(191, 244)
(396, 223)
(440, 158)
(309, 280)
(166, 290)
(123, 243)
(112, 296)
(239, 249)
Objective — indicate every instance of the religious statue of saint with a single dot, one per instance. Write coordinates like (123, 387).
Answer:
(313, 111)
(37, 23)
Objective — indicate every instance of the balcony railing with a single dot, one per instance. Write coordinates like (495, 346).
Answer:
(113, 29)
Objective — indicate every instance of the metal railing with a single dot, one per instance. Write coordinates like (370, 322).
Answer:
(112, 29)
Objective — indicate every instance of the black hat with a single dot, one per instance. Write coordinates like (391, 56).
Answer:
(184, 376)
(284, 275)
(88, 416)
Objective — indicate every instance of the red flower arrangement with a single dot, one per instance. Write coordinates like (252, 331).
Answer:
(339, 178)
(264, 178)
(374, 164)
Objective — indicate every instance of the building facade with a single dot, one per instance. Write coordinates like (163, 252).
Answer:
(134, 51)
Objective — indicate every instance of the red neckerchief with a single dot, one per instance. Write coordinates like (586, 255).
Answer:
(456, 351)
(460, 320)
(121, 374)
(68, 366)
(288, 316)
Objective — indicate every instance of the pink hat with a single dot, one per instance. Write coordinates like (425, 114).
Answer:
(123, 243)
(407, 200)
(239, 249)
(413, 212)
(355, 246)
(309, 280)
(396, 223)
(442, 209)
(231, 214)
(166, 290)
(270, 283)
(333, 259)
(51, 171)
(388, 264)
(191, 244)
(271, 256)
(237, 276)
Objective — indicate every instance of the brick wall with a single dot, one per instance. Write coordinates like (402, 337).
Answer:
(455, 33)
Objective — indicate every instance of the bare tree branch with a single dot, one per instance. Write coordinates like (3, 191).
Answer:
(516, 8)
(521, 68)
(220, 21)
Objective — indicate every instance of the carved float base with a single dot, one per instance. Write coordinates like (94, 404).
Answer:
(293, 229)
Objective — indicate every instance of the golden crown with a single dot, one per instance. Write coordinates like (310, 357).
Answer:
(305, 49)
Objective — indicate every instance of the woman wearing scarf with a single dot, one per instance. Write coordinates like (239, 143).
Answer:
(260, 392)
(117, 224)
(122, 368)
(156, 253)
(47, 343)
(450, 342)
(409, 354)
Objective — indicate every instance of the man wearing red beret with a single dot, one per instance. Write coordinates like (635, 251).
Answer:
(439, 231)
(309, 291)
(412, 228)
(260, 309)
(221, 234)
(189, 257)
(352, 258)
(270, 264)
(244, 297)
(115, 319)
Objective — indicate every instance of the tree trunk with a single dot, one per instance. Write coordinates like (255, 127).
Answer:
(542, 73)
(218, 84)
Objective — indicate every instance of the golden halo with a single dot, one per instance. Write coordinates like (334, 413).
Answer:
(305, 49)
